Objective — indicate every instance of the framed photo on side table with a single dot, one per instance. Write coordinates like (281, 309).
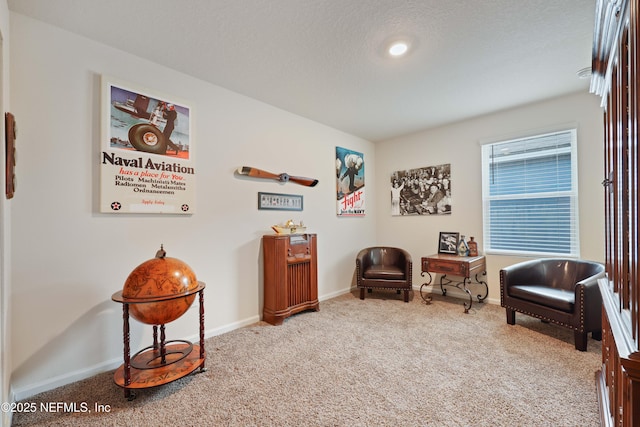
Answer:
(448, 242)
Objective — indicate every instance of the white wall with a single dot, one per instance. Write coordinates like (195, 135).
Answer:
(68, 259)
(5, 225)
(459, 145)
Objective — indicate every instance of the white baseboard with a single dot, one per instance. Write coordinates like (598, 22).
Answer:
(61, 380)
(334, 294)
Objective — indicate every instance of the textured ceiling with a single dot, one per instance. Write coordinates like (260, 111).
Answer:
(325, 59)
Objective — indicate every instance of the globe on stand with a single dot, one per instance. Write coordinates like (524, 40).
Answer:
(157, 292)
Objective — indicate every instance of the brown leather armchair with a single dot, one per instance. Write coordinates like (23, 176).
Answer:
(383, 267)
(556, 290)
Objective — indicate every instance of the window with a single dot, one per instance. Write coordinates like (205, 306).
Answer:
(530, 195)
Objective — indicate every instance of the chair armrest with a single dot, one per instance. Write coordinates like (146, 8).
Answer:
(591, 280)
(408, 267)
(360, 258)
(362, 262)
(588, 297)
(405, 259)
(590, 287)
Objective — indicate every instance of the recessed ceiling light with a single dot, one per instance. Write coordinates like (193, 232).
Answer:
(398, 48)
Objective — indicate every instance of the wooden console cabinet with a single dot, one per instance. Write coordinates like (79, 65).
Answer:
(616, 78)
(290, 275)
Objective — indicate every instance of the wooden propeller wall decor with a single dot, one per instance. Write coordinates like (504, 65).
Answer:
(283, 177)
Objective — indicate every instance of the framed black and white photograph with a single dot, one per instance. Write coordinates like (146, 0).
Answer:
(279, 202)
(448, 242)
(421, 191)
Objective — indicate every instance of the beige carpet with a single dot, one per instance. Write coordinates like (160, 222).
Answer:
(378, 362)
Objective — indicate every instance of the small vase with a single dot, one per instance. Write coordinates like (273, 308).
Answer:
(463, 249)
(473, 247)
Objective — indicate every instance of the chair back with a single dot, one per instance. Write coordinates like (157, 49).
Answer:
(383, 255)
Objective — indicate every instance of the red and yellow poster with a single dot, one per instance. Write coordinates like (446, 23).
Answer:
(146, 156)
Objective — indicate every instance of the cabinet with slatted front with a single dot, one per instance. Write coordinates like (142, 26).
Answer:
(290, 275)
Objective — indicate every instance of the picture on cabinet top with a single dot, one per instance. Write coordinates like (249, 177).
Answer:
(421, 191)
(349, 182)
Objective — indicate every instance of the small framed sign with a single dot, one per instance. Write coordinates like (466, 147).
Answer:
(279, 202)
(448, 242)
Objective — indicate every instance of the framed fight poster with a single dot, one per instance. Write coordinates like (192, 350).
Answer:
(146, 156)
(349, 182)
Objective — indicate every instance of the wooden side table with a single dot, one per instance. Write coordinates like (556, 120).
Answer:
(465, 267)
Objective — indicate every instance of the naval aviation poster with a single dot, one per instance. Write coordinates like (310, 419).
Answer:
(146, 156)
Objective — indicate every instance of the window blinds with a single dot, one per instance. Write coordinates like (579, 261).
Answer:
(530, 195)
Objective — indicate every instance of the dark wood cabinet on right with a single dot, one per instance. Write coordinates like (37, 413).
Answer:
(615, 65)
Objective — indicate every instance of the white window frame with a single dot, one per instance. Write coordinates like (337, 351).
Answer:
(574, 235)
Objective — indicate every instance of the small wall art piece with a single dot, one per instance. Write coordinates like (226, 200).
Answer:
(279, 202)
(421, 191)
(146, 157)
(350, 182)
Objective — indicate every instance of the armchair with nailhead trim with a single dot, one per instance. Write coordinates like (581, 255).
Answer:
(556, 290)
(383, 267)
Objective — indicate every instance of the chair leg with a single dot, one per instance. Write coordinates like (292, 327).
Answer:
(581, 340)
(511, 316)
(597, 335)
(406, 295)
(361, 293)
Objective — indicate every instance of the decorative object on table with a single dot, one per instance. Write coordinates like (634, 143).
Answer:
(282, 177)
(10, 154)
(146, 162)
(279, 202)
(421, 191)
(289, 227)
(157, 292)
(473, 247)
(448, 242)
(350, 191)
(290, 276)
(463, 249)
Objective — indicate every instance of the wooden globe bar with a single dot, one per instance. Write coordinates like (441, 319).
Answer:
(157, 292)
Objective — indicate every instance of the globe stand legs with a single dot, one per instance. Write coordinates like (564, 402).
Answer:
(162, 362)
